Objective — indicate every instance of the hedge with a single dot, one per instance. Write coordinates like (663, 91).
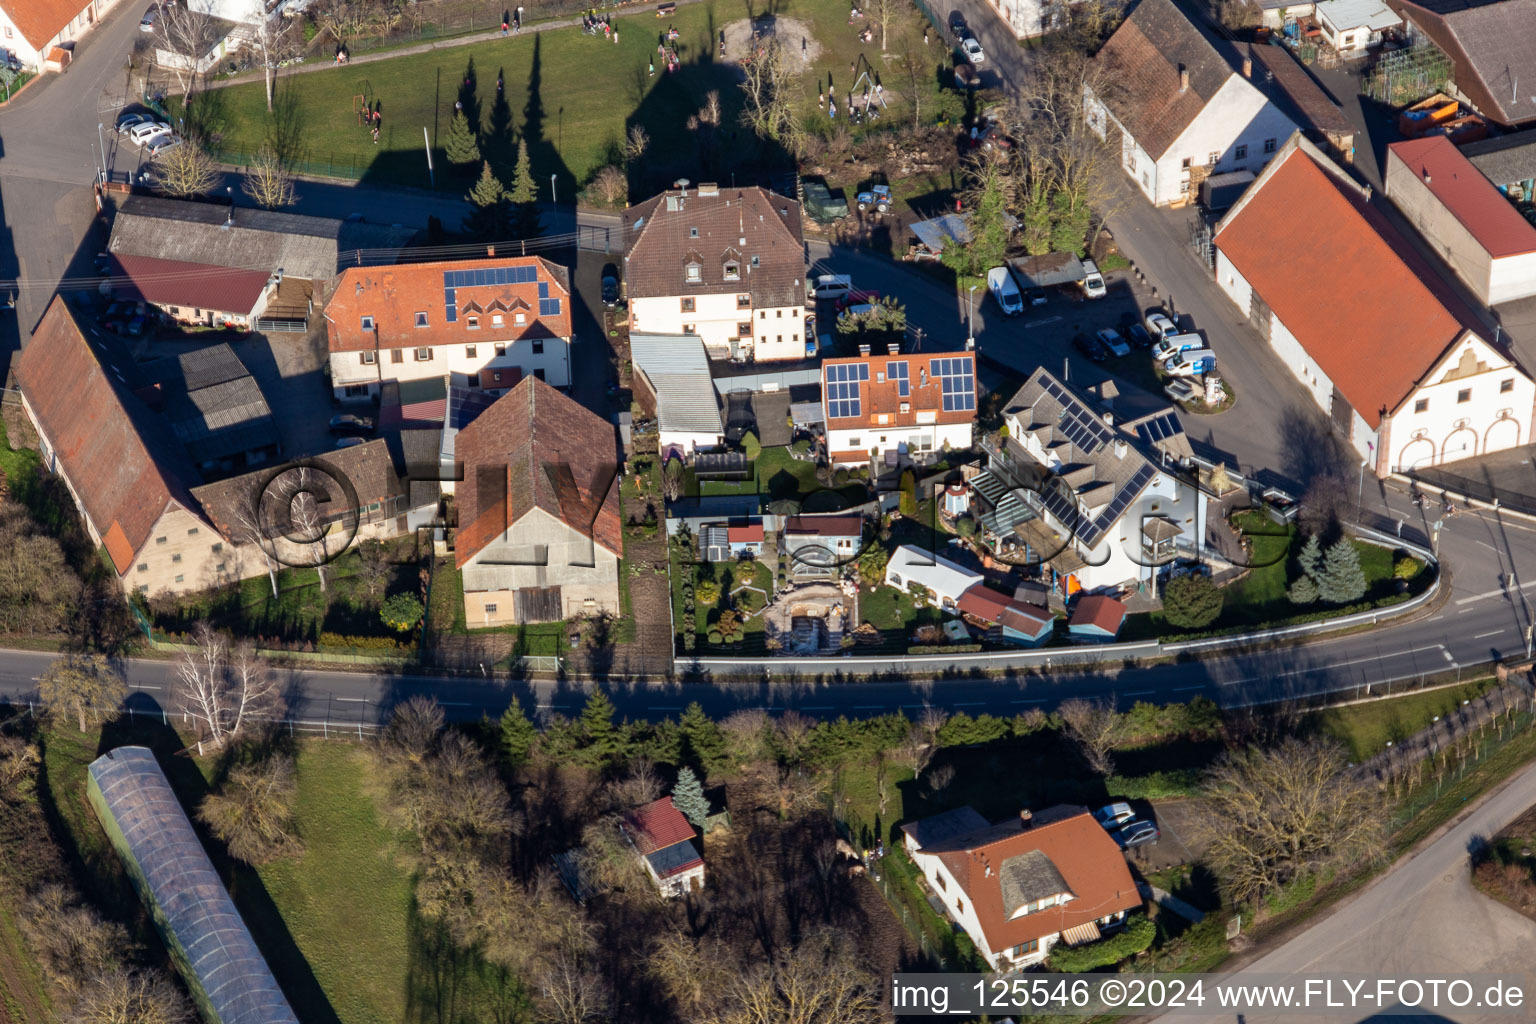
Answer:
(1137, 936)
(944, 649)
(372, 643)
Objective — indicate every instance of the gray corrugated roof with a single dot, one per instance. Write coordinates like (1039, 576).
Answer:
(1506, 159)
(213, 404)
(182, 886)
(678, 370)
(310, 248)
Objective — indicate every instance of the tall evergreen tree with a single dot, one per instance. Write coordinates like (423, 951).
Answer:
(524, 194)
(1311, 557)
(517, 734)
(1341, 580)
(489, 219)
(703, 743)
(688, 795)
(461, 145)
(600, 737)
(1303, 591)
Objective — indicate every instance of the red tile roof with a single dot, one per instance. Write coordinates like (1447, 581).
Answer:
(90, 425)
(988, 605)
(1485, 212)
(752, 533)
(552, 454)
(1029, 619)
(880, 395)
(1353, 291)
(38, 21)
(657, 825)
(1104, 612)
(174, 283)
(825, 526)
(1082, 853)
(394, 294)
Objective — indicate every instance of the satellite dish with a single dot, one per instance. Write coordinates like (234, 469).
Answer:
(682, 183)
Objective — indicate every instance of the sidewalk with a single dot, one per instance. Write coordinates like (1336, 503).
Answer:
(444, 43)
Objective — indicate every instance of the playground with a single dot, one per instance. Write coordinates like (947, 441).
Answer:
(573, 95)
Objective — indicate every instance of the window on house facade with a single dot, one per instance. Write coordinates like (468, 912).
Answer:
(744, 329)
(1240, 153)
(143, 567)
(176, 557)
(473, 323)
(469, 351)
(538, 346)
(1269, 145)
(192, 532)
(693, 232)
(423, 355)
(743, 302)
(160, 540)
(690, 328)
(218, 547)
(497, 319)
(733, 271)
(1186, 162)
(1464, 395)
(1506, 385)
(397, 355)
(219, 567)
(421, 319)
(1026, 948)
(942, 884)
(539, 373)
(180, 578)
(1422, 405)
(501, 349)
(1215, 157)
(695, 272)
(356, 391)
(490, 609)
(688, 305)
(520, 319)
(143, 588)
(369, 358)
(367, 323)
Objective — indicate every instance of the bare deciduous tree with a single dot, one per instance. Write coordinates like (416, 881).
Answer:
(744, 732)
(940, 779)
(295, 524)
(768, 88)
(252, 813)
(818, 981)
(610, 183)
(184, 34)
(71, 942)
(1094, 727)
(18, 761)
(268, 182)
(85, 686)
(225, 691)
(343, 19)
(794, 729)
(572, 992)
(1273, 815)
(184, 171)
(123, 996)
(636, 143)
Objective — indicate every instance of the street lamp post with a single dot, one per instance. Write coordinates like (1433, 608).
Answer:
(552, 200)
(970, 318)
(102, 144)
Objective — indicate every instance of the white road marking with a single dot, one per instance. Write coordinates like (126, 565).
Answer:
(1042, 323)
(1336, 664)
(1491, 593)
(1485, 544)
(144, 686)
(1186, 689)
(354, 700)
(1448, 657)
(1495, 632)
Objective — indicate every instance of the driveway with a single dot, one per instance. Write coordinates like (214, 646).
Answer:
(1421, 919)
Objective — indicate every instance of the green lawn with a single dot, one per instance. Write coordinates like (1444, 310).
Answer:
(776, 475)
(573, 98)
(1365, 729)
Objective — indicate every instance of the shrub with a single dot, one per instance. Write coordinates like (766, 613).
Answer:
(401, 612)
(751, 445)
(690, 640)
(707, 591)
(368, 643)
(1192, 601)
(840, 477)
(1406, 568)
(1138, 935)
(714, 636)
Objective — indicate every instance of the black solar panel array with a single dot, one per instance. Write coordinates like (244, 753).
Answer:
(1160, 428)
(845, 389)
(1078, 423)
(958, 377)
(454, 279)
(898, 373)
(1116, 508)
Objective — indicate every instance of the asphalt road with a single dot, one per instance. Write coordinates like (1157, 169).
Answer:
(1422, 919)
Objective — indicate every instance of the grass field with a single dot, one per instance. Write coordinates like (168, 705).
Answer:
(1365, 729)
(572, 96)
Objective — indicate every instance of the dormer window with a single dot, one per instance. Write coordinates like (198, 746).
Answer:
(496, 319)
(695, 272)
(367, 323)
(733, 271)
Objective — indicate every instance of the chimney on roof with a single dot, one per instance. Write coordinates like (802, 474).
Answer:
(1247, 65)
(1026, 818)
(863, 350)
(1426, 175)
(894, 348)
(490, 250)
(1183, 79)
(1120, 448)
(708, 188)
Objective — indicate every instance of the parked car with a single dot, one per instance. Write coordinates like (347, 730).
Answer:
(1193, 362)
(350, 423)
(350, 442)
(1037, 296)
(1110, 338)
(1170, 345)
(856, 297)
(831, 286)
(1159, 324)
(146, 130)
(973, 52)
(1093, 281)
(1137, 833)
(1090, 347)
(127, 121)
(160, 143)
(1005, 290)
(610, 285)
(135, 326)
(957, 26)
(1138, 337)
(147, 23)
(1112, 816)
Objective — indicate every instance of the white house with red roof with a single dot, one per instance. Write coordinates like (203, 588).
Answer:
(1473, 227)
(1020, 887)
(483, 323)
(667, 846)
(908, 403)
(1378, 339)
(30, 29)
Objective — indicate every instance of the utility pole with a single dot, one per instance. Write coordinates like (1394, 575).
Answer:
(970, 319)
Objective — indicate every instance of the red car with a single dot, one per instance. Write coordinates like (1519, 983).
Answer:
(857, 297)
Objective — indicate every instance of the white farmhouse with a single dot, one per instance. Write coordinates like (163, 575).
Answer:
(1397, 362)
(484, 323)
(1178, 106)
(1021, 887)
(725, 264)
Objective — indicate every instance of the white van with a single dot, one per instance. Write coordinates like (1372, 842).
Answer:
(1093, 281)
(831, 286)
(1005, 290)
(1193, 363)
(1173, 344)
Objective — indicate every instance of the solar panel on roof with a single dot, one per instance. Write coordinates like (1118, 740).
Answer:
(1159, 428)
(958, 380)
(1116, 508)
